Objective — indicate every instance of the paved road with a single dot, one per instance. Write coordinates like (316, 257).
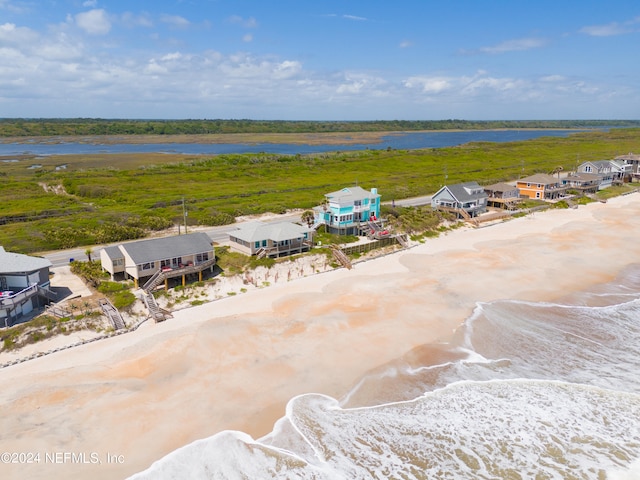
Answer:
(218, 234)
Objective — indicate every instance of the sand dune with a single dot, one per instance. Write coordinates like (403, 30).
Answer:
(234, 363)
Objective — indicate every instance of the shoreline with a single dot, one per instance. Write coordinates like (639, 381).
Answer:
(322, 138)
(235, 363)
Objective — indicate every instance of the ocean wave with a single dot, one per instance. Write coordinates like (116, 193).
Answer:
(493, 430)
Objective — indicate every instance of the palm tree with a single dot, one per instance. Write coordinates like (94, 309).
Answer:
(88, 253)
(308, 217)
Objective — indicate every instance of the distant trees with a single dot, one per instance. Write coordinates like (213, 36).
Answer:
(95, 126)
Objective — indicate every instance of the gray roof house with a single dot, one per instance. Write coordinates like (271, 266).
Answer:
(502, 195)
(24, 285)
(349, 211)
(271, 239)
(584, 182)
(159, 259)
(602, 168)
(466, 200)
(541, 186)
(632, 159)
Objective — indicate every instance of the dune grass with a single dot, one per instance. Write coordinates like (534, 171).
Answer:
(112, 197)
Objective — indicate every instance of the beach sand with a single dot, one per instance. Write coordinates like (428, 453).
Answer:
(234, 363)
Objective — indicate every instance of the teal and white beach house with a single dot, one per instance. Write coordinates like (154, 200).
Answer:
(348, 211)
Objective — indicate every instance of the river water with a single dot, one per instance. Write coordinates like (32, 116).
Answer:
(397, 141)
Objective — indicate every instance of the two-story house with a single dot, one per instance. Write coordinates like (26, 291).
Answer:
(502, 195)
(464, 199)
(602, 168)
(348, 211)
(583, 182)
(541, 186)
(633, 160)
(24, 285)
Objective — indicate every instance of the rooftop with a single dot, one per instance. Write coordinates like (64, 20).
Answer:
(255, 231)
(19, 263)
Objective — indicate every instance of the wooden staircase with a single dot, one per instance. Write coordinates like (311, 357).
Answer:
(340, 257)
(160, 276)
(112, 313)
(158, 314)
(48, 294)
(403, 240)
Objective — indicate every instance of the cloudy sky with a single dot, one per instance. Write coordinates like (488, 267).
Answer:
(320, 60)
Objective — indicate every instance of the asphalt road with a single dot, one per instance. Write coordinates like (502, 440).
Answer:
(219, 234)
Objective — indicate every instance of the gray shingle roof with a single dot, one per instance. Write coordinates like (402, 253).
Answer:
(464, 192)
(255, 231)
(17, 263)
(350, 194)
(144, 251)
(541, 178)
(500, 187)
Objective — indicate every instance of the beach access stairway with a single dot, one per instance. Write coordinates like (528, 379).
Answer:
(403, 240)
(341, 257)
(164, 274)
(377, 230)
(157, 313)
(58, 312)
(112, 313)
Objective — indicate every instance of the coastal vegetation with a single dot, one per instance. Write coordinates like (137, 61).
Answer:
(106, 198)
(28, 127)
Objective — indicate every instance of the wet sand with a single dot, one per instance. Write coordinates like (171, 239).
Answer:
(234, 363)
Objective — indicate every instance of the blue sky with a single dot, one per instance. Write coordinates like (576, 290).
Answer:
(320, 60)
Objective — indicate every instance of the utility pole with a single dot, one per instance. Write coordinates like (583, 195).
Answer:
(184, 216)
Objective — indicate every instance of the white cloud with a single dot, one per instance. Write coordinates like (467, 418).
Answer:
(90, 3)
(354, 17)
(406, 44)
(244, 22)
(607, 30)
(515, 45)
(94, 22)
(247, 38)
(175, 21)
(12, 7)
(131, 20)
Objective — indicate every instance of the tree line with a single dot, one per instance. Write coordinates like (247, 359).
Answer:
(40, 127)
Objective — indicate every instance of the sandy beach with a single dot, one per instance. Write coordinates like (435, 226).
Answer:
(122, 403)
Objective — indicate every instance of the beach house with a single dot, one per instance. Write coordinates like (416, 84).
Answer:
(541, 186)
(466, 200)
(602, 168)
(584, 182)
(349, 211)
(502, 195)
(156, 260)
(633, 160)
(271, 239)
(24, 286)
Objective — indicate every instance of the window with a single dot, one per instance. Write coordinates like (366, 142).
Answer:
(264, 243)
(202, 257)
(256, 244)
(146, 266)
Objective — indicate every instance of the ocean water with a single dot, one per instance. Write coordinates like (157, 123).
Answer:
(523, 391)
